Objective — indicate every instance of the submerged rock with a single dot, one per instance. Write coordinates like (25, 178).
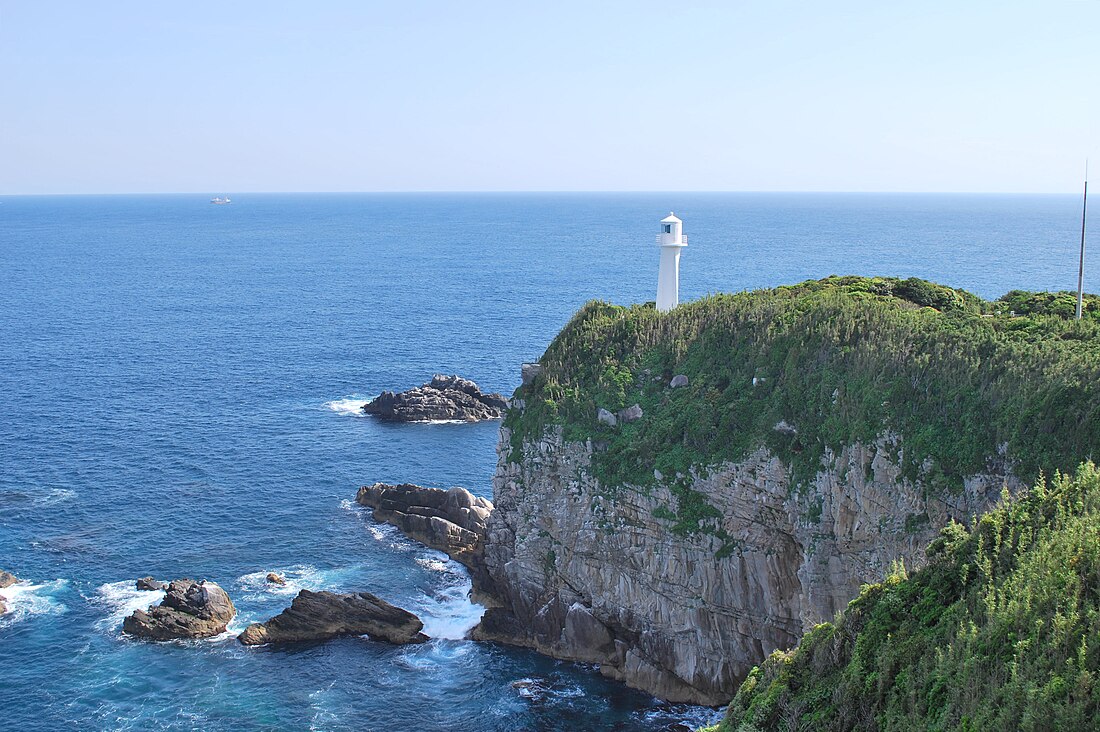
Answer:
(275, 579)
(148, 583)
(190, 609)
(442, 398)
(451, 521)
(316, 616)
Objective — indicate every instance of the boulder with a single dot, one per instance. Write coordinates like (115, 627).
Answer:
(451, 521)
(275, 579)
(190, 609)
(529, 372)
(148, 583)
(317, 616)
(606, 417)
(630, 414)
(677, 381)
(442, 398)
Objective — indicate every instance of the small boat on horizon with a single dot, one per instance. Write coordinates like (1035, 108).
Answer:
(220, 201)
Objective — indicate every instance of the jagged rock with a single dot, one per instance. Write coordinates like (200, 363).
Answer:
(275, 579)
(602, 415)
(189, 610)
(442, 398)
(630, 414)
(451, 521)
(148, 583)
(529, 372)
(677, 381)
(685, 616)
(316, 616)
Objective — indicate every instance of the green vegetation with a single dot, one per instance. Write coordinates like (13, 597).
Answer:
(1000, 631)
(843, 359)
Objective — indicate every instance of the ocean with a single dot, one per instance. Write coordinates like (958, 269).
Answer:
(179, 386)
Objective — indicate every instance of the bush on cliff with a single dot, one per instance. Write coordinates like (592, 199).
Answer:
(1000, 631)
(963, 381)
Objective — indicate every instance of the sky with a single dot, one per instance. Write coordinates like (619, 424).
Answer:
(412, 95)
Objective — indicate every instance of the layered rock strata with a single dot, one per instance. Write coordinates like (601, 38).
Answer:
(190, 609)
(614, 575)
(452, 521)
(318, 616)
(443, 398)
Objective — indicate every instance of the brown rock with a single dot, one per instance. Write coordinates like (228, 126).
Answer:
(275, 579)
(316, 616)
(189, 610)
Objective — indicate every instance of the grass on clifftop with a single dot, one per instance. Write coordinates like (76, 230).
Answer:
(1001, 631)
(842, 359)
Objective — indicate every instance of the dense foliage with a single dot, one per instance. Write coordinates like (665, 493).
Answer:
(840, 360)
(1000, 631)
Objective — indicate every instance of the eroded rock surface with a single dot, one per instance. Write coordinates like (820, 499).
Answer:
(598, 574)
(452, 521)
(190, 609)
(442, 398)
(317, 616)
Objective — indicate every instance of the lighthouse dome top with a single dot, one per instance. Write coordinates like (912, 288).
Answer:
(671, 219)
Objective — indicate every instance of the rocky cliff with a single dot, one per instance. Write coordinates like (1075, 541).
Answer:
(600, 574)
(783, 447)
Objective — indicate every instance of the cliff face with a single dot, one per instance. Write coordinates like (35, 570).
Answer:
(604, 574)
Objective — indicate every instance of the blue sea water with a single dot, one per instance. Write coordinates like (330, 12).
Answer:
(178, 384)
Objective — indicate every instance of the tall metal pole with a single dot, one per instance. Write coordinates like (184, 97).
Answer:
(1081, 265)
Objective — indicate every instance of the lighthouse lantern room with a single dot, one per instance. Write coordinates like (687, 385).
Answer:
(671, 240)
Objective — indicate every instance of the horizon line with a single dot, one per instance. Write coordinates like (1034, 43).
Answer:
(542, 192)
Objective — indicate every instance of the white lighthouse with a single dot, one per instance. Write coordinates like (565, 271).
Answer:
(671, 240)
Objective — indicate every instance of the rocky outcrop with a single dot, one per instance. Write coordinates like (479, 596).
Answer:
(452, 521)
(683, 604)
(7, 579)
(148, 583)
(318, 616)
(190, 609)
(275, 579)
(442, 398)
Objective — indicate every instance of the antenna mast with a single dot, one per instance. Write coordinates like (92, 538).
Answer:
(1081, 265)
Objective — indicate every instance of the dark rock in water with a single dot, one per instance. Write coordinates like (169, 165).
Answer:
(315, 616)
(148, 583)
(275, 579)
(190, 609)
(442, 398)
(452, 521)
(7, 579)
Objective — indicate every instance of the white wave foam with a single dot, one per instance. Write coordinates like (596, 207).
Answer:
(348, 407)
(436, 565)
(54, 496)
(25, 600)
(449, 613)
(121, 599)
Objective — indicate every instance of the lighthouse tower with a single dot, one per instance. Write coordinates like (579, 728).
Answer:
(671, 240)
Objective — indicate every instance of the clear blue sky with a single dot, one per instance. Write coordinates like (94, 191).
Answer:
(410, 95)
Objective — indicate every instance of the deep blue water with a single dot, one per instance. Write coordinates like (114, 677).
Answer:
(174, 378)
